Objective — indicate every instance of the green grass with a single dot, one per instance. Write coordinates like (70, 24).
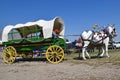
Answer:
(114, 58)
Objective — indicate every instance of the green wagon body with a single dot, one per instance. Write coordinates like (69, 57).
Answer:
(39, 44)
(24, 41)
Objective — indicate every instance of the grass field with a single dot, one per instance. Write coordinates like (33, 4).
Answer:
(114, 58)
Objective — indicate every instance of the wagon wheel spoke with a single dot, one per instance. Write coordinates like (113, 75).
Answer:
(51, 58)
(9, 54)
(10, 60)
(54, 54)
(58, 57)
(50, 49)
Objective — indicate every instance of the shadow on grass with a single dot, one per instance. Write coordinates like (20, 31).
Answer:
(31, 60)
(92, 57)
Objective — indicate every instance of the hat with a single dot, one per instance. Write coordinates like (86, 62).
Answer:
(95, 25)
(56, 31)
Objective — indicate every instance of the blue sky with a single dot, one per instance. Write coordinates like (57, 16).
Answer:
(78, 15)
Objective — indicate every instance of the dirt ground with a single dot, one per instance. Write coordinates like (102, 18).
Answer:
(42, 70)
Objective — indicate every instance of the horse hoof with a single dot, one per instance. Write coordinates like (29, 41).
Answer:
(108, 56)
(84, 58)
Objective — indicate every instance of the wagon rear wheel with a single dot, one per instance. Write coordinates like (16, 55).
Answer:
(8, 54)
(55, 54)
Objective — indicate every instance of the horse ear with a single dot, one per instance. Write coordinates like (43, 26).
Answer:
(113, 25)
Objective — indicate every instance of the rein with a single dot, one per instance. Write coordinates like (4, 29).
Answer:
(100, 40)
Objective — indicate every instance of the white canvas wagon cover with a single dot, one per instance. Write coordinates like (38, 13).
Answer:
(47, 27)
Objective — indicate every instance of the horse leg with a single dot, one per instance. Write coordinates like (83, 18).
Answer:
(83, 53)
(84, 49)
(106, 46)
(99, 51)
(88, 54)
(106, 49)
(103, 51)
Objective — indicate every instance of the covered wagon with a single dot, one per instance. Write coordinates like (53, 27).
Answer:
(34, 39)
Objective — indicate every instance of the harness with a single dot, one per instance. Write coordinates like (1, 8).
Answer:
(99, 38)
(92, 40)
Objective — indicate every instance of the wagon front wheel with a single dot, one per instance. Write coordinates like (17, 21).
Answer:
(8, 54)
(55, 54)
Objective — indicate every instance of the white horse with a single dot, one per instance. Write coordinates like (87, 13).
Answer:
(100, 38)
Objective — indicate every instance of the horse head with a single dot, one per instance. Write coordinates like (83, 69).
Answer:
(110, 31)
